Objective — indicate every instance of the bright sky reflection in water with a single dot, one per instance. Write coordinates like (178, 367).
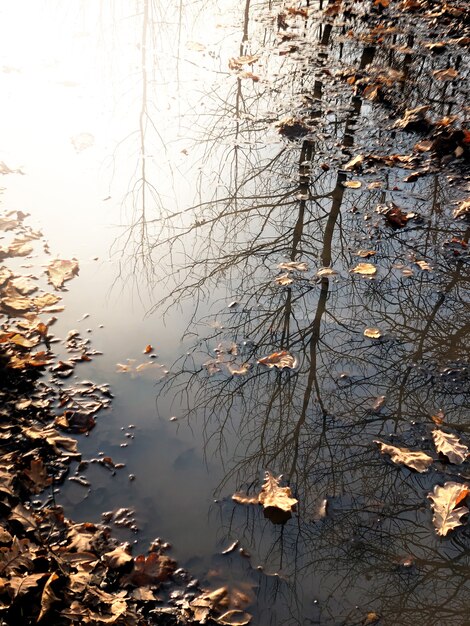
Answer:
(74, 71)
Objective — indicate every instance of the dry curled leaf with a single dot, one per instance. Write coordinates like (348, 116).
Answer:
(445, 499)
(60, 270)
(450, 445)
(419, 461)
(364, 269)
(280, 360)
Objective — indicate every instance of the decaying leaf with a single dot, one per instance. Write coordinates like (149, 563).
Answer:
(450, 445)
(419, 461)
(445, 499)
(373, 333)
(364, 269)
(277, 501)
(60, 270)
(299, 266)
(352, 184)
(280, 360)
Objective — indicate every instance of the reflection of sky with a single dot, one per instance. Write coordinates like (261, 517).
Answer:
(73, 71)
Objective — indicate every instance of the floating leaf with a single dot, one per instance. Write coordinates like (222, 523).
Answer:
(277, 501)
(355, 162)
(117, 558)
(373, 333)
(234, 617)
(424, 265)
(148, 349)
(419, 461)
(294, 265)
(463, 210)
(365, 254)
(325, 272)
(450, 445)
(365, 269)
(284, 280)
(233, 546)
(445, 498)
(448, 74)
(60, 270)
(279, 359)
(352, 184)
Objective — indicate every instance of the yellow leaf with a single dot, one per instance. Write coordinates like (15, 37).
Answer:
(60, 270)
(352, 184)
(365, 269)
(372, 333)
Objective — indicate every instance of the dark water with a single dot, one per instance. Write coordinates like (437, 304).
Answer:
(180, 198)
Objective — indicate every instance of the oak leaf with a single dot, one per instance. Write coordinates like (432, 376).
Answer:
(419, 461)
(449, 445)
(37, 474)
(445, 498)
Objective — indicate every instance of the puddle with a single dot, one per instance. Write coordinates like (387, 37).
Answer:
(183, 158)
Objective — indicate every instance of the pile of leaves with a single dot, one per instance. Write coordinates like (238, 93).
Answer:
(52, 570)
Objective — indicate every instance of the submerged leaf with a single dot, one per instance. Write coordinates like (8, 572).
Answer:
(445, 498)
(279, 359)
(450, 445)
(419, 461)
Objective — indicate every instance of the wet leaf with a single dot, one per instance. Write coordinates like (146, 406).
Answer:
(424, 265)
(148, 349)
(326, 272)
(38, 475)
(294, 265)
(373, 333)
(53, 438)
(414, 119)
(117, 558)
(234, 618)
(19, 585)
(449, 445)
(364, 269)
(233, 546)
(365, 254)
(444, 75)
(463, 210)
(355, 163)
(445, 499)
(284, 280)
(48, 597)
(60, 270)
(352, 184)
(438, 419)
(151, 569)
(277, 501)
(419, 461)
(280, 360)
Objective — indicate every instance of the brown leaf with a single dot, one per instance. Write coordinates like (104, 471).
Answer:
(117, 558)
(445, 498)
(53, 438)
(278, 503)
(60, 270)
(365, 254)
(414, 119)
(450, 445)
(234, 617)
(38, 475)
(448, 74)
(151, 569)
(19, 585)
(294, 265)
(326, 272)
(237, 63)
(48, 597)
(463, 210)
(148, 349)
(284, 280)
(419, 461)
(364, 269)
(373, 333)
(280, 360)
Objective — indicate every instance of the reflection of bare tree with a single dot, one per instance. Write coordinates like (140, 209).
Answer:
(275, 202)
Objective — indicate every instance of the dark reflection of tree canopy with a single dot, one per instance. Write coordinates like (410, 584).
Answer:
(271, 202)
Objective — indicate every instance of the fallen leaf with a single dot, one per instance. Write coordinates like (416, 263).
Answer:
(151, 569)
(372, 333)
(279, 359)
(60, 270)
(277, 501)
(419, 461)
(444, 500)
(354, 163)
(438, 419)
(48, 597)
(117, 558)
(38, 475)
(448, 74)
(234, 617)
(237, 63)
(233, 546)
(378, 403)
(148, 349)
(365, 254)
(284, 280)
(424, 265)
(449, 445)
(365, 269)
(325, 272)
(294, 265)
(352, 184)
(414, 119)
(463, 210)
